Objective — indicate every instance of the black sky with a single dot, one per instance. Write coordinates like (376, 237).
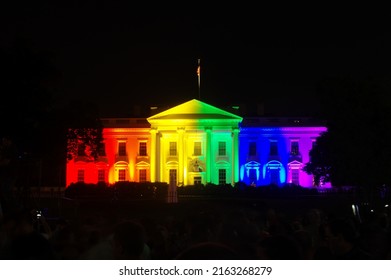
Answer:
(117, 55)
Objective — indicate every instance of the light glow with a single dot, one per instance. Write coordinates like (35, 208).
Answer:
(195, 121)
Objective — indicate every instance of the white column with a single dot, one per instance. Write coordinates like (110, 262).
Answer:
(181, 131)
(235, 155)
(153, 163)
(209, 154)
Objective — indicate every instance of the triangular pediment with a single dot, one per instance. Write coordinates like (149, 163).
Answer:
(295, 162)
(252, 164)
(194, 109)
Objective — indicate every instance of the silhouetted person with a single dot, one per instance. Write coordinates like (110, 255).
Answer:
(8, 161)
(129, 241)
(279, 247)
(25, 242)
(341, 237)
(304, 239)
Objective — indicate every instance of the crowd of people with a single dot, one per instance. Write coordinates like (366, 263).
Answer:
(216, 233)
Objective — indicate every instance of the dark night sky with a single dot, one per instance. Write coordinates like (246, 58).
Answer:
(118, 55)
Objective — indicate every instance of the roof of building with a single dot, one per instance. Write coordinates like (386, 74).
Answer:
(194, 109)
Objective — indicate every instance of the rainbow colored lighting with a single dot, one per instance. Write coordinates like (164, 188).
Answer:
(197, 143)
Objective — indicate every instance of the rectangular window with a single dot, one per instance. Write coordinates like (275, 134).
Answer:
(197, 180)
(80, 175)
(173, 181)
(142, 149)
(252, 149)
(122, 148)
(273, 148)
(222, 177)
(197, 148)
(121, 175)
(222, 148)
(295, 148)
(142, 173)
(295, 176)
(173, 150)
(101, 175)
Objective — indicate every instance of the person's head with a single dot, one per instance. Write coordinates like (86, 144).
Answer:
(129, 240)
(279, 247)
(18, 223)
(341, 235)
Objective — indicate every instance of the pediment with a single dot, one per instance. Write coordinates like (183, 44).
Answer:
(295, 162)
(194, 109)
(252, 164)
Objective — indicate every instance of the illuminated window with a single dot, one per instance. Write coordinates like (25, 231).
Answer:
(122, 149)
(295, 176)
(273, 148)
(173, 150)
(222, 177)
(142, 149)
(101, 175)
(173, 177)
(80, 175)
(197, 148)
(142, 173)
(252, 151)
(295, 148)
(222, 148)
(121, 175)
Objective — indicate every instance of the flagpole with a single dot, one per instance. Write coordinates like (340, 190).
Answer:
(199, 78)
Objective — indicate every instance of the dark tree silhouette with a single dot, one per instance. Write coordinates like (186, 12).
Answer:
(29, 83)
(356, 149)
(320, 160)
(84, 135)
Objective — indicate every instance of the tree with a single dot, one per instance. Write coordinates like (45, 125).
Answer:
(84, 134)
(29, 81)
(74, 128)
(320, 160)
(356, 149)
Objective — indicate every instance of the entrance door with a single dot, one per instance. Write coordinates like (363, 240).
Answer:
(275, 176)
(173, 177)
(253, 176)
